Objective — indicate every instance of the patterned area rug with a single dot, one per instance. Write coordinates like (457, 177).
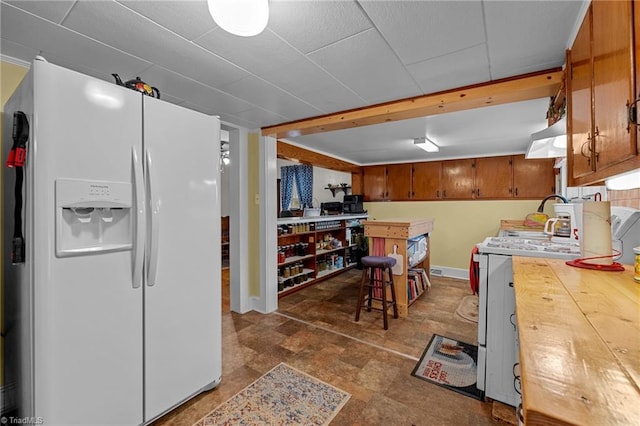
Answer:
(468, 308)
(451, 364)
(283, 396)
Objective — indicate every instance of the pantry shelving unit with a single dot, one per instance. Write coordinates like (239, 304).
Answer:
(312, 249)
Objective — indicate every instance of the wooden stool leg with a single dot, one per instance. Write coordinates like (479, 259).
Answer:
(372, 273)
(385, 307)
(361, 293)
(393, 294)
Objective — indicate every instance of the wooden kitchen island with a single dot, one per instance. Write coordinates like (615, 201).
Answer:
(397, 232)
(579, 335)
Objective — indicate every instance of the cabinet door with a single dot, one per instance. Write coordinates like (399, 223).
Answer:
(375, 183)
(579, 102)
(398, 182)
(426, 181)
(457, 179)
(636, 32)
(493, 177)
(612, 77)
(533, 178)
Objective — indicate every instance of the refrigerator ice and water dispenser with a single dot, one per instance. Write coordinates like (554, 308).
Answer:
(92, 217)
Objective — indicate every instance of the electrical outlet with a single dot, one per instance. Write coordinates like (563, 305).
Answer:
(257, 199)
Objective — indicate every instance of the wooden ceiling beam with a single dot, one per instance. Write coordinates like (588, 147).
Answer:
(515, 89)
(301, 155)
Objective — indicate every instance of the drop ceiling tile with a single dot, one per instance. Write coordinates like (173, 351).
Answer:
(17, 51)
(237, 121)
(419, 30)
(311, 25)
(518, 43)
(314, 85)
(259, 116)
(458, 69)
(189, 19)
(50, 39)
(114, 24)
(271, 98)
(258, 55)
(53, 11)
(375, 77)
(197, 93)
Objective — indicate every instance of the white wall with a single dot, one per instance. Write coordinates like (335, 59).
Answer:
(321, 178)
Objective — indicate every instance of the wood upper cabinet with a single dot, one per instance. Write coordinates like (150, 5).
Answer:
(504, 177)
(398, 182)
(458, 179)
(579, 110)
(426, 181)
(533, 178)
(601, 142)
(493, 177)
(613, 81)
(374, 182)
(636, 32)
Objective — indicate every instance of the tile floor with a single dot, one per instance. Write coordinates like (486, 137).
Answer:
(314, 331)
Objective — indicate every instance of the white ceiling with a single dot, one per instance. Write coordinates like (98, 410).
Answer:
(314, 58)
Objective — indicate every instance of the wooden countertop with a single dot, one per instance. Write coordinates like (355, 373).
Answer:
(579, 334)
(399, 228)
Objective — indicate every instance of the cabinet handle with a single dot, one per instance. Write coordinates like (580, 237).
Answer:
(477, 193)
(632, 113)
(444, 194)
(596, 153)
(516, 192)
(437, 193)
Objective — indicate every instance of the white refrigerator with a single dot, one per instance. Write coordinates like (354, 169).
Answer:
(114, 316)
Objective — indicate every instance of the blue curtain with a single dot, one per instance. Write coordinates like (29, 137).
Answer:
(287, 174)
(304, 183)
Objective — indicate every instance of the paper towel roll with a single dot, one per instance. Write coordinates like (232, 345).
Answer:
(596, 232)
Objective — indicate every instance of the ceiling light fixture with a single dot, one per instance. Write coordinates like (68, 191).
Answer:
(244, 18)
(426, 144)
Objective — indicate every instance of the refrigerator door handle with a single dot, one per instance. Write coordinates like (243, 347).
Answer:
(154, 219)
(138, 247)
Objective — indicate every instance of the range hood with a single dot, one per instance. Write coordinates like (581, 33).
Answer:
(550, 142)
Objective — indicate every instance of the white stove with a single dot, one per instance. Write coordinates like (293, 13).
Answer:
(532, 247)
(497, 353)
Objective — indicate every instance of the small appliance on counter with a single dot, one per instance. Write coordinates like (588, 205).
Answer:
(353, 204)
(331, 208)
(625, 232)
(567, 225)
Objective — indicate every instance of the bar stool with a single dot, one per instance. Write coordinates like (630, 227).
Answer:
(373, 279)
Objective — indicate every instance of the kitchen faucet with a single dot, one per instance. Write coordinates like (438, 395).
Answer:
(541, 206)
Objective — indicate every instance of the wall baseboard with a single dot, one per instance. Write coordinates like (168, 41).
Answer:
(445, 271)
